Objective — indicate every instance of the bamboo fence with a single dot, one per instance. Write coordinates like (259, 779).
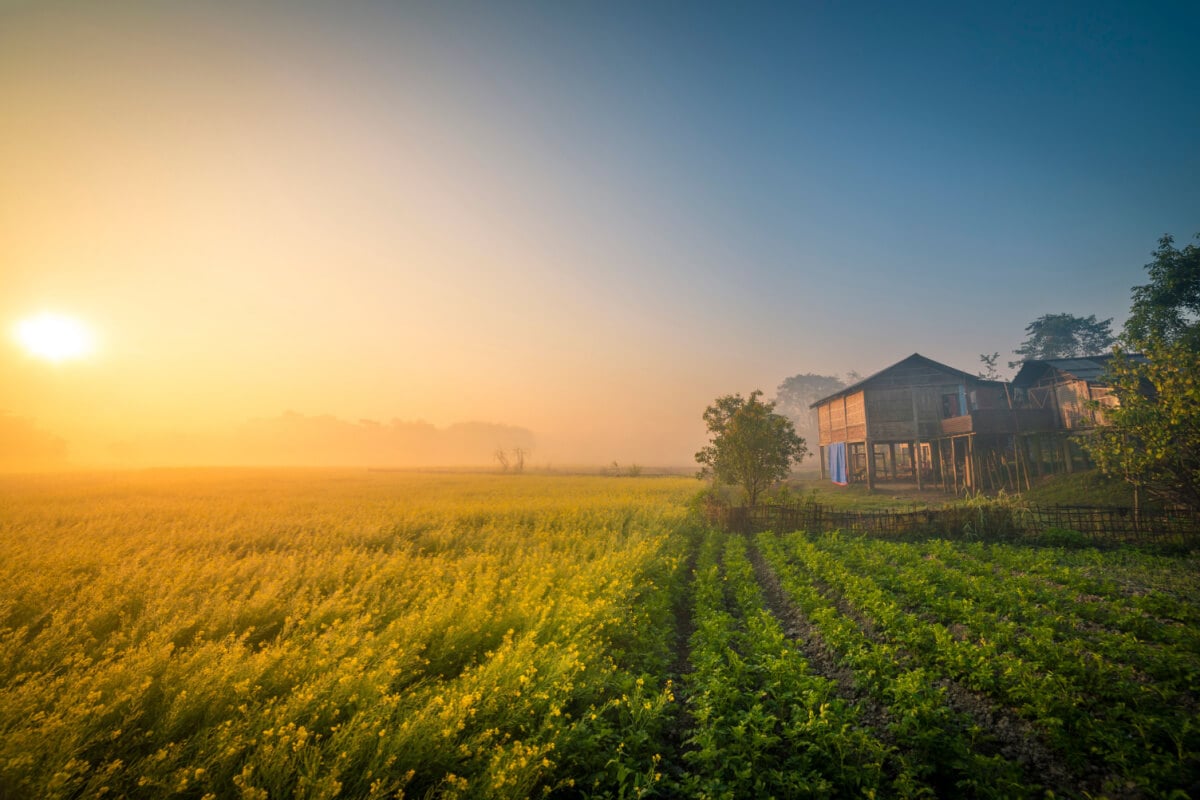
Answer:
(992, 522)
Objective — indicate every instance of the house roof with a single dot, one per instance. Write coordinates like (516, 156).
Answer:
(914, 358)
(1091, 368)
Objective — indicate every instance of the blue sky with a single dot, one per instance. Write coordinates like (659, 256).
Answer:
(936, 174)
(588, 219)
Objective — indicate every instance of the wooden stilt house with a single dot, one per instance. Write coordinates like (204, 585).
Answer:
(1064, 388)
(923, 422)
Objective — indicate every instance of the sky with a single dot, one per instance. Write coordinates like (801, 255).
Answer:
(578, 221)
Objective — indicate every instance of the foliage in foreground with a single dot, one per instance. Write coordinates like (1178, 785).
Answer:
(287, 635)
(315, 635)
(1152, 438)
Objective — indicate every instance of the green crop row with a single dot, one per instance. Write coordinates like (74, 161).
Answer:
(1091, 710)
(1025, 611)
(763, 724)
(1138, 589)
(945, 749)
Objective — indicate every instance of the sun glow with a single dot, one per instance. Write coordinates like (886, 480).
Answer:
(55, 337)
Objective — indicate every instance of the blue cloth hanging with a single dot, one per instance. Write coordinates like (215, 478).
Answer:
(837, 463)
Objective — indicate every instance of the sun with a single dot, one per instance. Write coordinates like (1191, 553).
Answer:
(55, 337)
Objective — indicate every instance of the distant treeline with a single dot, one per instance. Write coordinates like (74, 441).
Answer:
(290, 439)
(295, 439)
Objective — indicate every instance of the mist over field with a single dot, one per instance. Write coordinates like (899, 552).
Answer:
(364, 365)
(291, 439)
(567, 227)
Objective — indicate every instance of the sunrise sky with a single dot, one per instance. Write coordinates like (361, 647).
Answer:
(582, 219)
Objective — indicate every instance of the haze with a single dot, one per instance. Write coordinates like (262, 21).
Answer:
(361, 234)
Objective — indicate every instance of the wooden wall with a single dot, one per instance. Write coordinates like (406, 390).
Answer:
(842, 419)
(1068, 398)
(1072, 398)
(903, 404)
(906, 414)
(990, 397)
(891, 414)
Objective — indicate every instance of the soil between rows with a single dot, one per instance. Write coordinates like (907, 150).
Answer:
(1016, 740)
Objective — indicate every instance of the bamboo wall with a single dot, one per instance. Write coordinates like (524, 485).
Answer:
(889, 412)
(974, 435)
(842, 419)
(1068, 399)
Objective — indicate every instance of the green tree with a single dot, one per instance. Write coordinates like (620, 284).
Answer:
(1064, 336)
(989, 371)
(1167, 308)
(1152, 438)
(750, 445)
(794, 396)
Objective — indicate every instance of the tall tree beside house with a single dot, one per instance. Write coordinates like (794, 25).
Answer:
(750, 445)
(1167, 309)
(1152, 438)
(794, 396)
(1064, 336)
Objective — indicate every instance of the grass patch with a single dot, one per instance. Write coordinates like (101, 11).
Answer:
(856, 497)
(1090, 488)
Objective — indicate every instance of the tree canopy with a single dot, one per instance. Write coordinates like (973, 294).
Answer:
(989, 371)
(1065, 336)
(1152, 438)
(1167, 309)
(750, 445)
(794, 396)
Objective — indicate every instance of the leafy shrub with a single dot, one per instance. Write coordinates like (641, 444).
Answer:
(1063, 537)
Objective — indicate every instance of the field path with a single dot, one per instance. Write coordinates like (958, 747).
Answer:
(676, 733)
(807, 639)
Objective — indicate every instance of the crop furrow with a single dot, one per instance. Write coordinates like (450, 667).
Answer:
(1150, 615)
(764, 724)
(1039, 625)
(822, 659)
(1088, 709)
(954, 753)
(684, 630)
(1017, 741)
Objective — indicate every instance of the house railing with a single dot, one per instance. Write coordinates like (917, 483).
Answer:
(998, 421)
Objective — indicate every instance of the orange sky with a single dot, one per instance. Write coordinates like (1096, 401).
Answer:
(255, 229)
(586, 222)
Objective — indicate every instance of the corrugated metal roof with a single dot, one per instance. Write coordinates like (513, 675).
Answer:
(958, 373)
(1091, 368)
(1083, 368)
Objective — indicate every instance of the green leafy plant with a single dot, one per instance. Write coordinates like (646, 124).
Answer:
(750, 445)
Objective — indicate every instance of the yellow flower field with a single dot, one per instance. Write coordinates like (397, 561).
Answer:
(317, 634)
